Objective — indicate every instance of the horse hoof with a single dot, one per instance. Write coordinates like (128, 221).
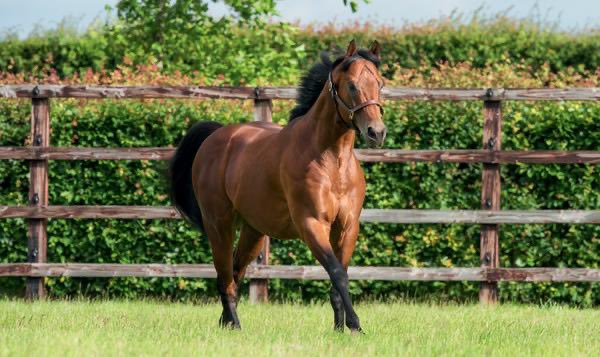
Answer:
(229, 325)
(357, 331)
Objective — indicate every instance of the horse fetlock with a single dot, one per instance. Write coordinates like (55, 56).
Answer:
(229, 321)
(353, 322)
(358, 331)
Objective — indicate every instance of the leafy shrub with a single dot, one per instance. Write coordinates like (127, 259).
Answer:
(275, 53)
(260, 54)
(480, 42)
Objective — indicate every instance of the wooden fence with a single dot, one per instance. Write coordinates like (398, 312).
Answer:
(489, 217)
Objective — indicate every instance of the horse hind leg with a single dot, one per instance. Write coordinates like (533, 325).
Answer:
(221, 236)
(248, 248)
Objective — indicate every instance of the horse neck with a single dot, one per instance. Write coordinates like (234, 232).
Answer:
(328, 132)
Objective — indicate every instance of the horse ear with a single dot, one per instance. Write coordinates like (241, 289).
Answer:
(351, 49)
(376, 48)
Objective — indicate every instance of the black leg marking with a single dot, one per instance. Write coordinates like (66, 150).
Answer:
(338, 309)
(339, 280)
(229, 318)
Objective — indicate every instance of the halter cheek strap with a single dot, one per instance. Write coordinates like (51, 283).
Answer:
(351, 110)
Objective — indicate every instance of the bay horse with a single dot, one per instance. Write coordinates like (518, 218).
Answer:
(298, 181)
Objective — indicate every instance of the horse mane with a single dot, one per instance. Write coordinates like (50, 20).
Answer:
(314, 80)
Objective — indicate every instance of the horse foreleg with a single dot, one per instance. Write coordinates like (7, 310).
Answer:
(316, 234)
(343, 241)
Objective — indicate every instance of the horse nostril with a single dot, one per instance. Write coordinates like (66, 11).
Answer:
(371, 133)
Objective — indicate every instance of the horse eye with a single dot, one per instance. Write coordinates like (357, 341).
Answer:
(381, 110)
(352, 87)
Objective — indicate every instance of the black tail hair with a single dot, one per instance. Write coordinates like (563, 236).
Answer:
(180, 171)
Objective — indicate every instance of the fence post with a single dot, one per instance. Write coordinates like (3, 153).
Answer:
(259, 288)
(490, 197)
(37, 241)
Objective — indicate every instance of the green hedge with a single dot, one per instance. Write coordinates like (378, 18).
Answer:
(478, 43)
(275, 53)
(415, 125)
(259, 55)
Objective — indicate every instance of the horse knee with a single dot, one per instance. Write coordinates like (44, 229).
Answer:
(339, 278)
(335, 298)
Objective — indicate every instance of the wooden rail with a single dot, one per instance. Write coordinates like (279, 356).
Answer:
(199, 92)
(257, 271)
(365, 155)
(490, 216)
(400, 216)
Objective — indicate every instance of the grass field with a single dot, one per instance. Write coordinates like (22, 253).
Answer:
(160, 328)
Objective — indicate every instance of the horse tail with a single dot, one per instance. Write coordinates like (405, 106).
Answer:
(180, 171)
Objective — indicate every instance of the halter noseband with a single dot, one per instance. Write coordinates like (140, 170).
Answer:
(339, 101)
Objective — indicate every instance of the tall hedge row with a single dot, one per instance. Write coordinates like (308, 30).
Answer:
(273, 53)
(480, 44)
(475, 59)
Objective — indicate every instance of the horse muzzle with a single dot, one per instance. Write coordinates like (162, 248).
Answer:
(375, 136)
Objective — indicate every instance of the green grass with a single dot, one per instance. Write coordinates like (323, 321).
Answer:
(160, 328)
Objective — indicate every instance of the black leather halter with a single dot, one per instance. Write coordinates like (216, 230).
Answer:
(351, 110)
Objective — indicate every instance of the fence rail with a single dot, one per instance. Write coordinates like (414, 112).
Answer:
(269, 93)
(400, 216)
(365, 155)
(301, 272)
(490, 216)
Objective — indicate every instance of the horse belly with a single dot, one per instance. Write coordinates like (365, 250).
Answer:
(272, 220)
(264, 208)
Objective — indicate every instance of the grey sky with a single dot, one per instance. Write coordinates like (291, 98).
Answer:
(572, 14)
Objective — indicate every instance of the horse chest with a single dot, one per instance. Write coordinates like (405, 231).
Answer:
(341, 176)
(328, 184)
